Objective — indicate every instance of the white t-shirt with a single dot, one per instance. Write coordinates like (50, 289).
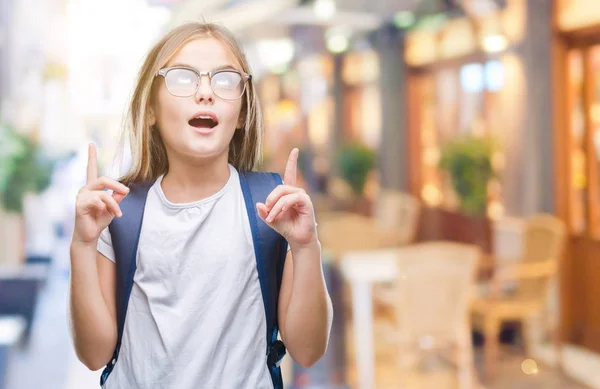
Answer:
(196, 317)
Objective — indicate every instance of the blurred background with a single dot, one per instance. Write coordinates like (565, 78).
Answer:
(451, 148)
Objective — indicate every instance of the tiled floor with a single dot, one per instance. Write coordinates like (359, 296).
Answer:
(511, 370)
(441, 375)
(510, 376)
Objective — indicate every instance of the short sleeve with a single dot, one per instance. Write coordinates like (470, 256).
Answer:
(105, 246)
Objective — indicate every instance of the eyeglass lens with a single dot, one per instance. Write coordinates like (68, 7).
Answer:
(227, 85)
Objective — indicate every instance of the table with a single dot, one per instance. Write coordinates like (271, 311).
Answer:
(20, 287)
(362, 270)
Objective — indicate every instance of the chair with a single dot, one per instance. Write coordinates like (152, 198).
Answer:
(394, 223)
(543, 243)
(339, 194)
(431, 300)
(398, 212)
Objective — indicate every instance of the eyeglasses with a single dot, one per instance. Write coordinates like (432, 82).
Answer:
(226, 84)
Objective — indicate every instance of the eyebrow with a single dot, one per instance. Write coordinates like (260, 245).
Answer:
(222, 67)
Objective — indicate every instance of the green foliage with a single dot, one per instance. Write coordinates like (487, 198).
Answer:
(355, 161)
(10, 148)
(23, 168)
(468, 160)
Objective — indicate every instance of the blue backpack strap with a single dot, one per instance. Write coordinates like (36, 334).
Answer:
(270, 249)
(125, 235)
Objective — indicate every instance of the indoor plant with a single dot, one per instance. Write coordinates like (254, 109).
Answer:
(24, 169)
(468, 161)
(354, 163)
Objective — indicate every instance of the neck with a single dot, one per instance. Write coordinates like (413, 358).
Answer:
(188, 181)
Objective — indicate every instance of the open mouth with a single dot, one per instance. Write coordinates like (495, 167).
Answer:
(203, 122)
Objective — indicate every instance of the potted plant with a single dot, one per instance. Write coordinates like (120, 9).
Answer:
(355, 162)
(468, 161)
(24, 169)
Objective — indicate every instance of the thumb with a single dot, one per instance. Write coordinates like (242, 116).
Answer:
(119, 196)
(262, 211)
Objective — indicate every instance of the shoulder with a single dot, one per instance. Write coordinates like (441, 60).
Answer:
(258, 185)
(261, 177)
(137, 191)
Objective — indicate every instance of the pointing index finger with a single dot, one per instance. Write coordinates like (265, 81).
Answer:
(289, 177)
(92, 167)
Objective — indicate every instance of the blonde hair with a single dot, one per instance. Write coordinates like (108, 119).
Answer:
(149, 156)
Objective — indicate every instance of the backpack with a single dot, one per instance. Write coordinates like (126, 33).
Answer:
(270, 249)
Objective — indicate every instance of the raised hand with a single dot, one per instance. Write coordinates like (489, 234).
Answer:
(95, 207)
(289, 210)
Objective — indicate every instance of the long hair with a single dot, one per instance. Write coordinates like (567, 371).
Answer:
(148, 152)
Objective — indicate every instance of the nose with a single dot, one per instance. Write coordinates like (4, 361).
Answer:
(204, 92)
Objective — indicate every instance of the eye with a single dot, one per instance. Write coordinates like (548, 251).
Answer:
(184, 77)
(227, 80)
(181, 82)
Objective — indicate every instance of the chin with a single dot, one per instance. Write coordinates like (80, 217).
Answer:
(195, 146)
(205, 150)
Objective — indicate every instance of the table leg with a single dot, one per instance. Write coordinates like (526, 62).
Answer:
(363, 334)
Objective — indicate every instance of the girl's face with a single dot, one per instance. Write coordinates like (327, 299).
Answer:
(201, 126)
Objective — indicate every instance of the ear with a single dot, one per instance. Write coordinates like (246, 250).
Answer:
(151, 116)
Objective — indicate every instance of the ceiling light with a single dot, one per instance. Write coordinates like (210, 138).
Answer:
(495, 43)
(337, 43)
(275, 53)
(324, 9)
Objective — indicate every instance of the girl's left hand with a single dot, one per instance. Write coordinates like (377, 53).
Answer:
(289, 210)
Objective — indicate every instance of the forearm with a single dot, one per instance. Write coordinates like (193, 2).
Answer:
(94, 328)
(309, 314)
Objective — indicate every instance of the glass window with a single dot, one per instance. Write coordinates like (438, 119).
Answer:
(593, 118)
(578, 171)
(494, 76)
(471, 78)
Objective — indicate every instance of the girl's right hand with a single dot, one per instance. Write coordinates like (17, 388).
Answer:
(95, 207)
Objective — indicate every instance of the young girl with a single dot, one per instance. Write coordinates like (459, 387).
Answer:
(195, 317)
